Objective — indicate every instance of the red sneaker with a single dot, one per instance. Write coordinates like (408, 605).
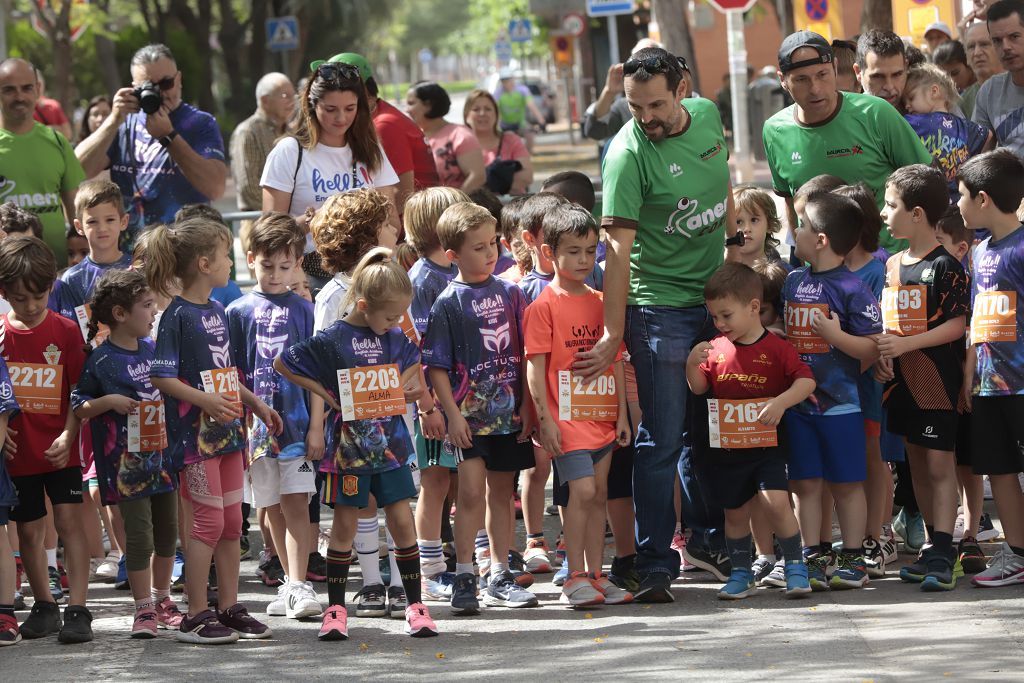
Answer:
(335, 624)
(145, 624)
(168, 615)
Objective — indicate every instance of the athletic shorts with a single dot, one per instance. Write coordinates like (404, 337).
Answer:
(893, 448)
(432, 453)
(314, 500)
(353, 490)
(579, 464)
(5, 515)
(620, 478)
(730, 478)
(830, 447)
(273, 477)
(63, 487)
(935, 429)
(870, 393)
(501, 452)
(963, 440)
(997, 431)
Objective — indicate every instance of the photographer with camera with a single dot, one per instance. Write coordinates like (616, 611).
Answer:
(162, 152)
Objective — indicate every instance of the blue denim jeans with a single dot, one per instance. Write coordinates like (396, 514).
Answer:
(659, 340)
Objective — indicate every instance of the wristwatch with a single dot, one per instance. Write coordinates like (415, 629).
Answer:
(166, 140)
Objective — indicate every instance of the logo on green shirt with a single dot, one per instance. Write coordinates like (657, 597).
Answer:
(688, 220)
(844, 152)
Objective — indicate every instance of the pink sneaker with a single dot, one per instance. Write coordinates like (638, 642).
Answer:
(168, 615)
(145, 624)
(418, 621)
(335, 624)
(679, 545)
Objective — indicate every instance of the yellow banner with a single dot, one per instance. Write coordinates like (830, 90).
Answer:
(910, 18)
(824, 17)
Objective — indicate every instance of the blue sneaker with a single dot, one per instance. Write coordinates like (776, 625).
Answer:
(797, 582)
(940, 575)
(464, 598)
(438, 587)
(911, 529)
(739, 585)
(562, 575)
(852, 572)
(816, 576)
(121, 582)
(916, 570)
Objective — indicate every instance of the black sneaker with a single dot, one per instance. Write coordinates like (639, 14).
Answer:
(655, 587)
(762, 567)
(874, 558)
(44, 620)
(623, 573)
(464, 595)
(372, 601)
(271, 572)
(77, 625)
(718, 564)
(316, 569)
(246, 552)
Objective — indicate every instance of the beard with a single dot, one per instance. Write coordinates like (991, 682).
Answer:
(657, 130)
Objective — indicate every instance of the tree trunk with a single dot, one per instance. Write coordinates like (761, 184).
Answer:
(257, 48)
(876, 14)
(113, 79)
(240, 81)
(674, 25)
(784, 13)
(198, 28)
(57, 25)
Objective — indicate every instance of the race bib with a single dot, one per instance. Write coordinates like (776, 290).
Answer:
(369, 392)
(223, 381)
(405, 324)
(595, 401)
(83, 313)
(994, 318)
(147, 428)
(904, 310)
(733, 424)
(798, 327)
(37, 386)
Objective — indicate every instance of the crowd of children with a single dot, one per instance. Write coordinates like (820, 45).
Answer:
(420, 374)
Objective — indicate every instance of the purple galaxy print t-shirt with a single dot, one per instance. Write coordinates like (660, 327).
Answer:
(428, 281)
(999, 267)
(123, 475)
(8, 406)
(950, 140)
(535, 282)
(359, 446)
(79, 281)
(849, 299)
(193, 338)
(261, 327)
(475, 332)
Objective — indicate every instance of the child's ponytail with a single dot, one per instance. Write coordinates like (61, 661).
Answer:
(172, 252)
(161, 259)
(378, 278)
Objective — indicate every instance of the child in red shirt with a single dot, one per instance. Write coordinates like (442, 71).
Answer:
(45, 355)
(754, 377)
(579, 423)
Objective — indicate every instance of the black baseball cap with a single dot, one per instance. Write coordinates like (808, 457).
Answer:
(795, 41)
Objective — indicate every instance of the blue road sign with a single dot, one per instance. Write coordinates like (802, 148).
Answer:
(503, 51)
(608, 8)
(520, 31)
(282, 34)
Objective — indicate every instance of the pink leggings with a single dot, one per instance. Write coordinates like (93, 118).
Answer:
(214, 487)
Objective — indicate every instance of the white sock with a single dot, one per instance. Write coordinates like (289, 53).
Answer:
(482, 543)
(367, 545)
(51, 557)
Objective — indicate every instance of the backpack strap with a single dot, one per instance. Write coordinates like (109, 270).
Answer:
(295, 176)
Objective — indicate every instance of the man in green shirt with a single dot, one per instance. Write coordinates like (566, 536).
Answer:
(38, 168)
(667, 209)
(859, 138)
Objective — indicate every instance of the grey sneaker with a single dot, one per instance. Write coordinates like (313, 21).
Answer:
(503, 591)
(397, 602)
(762, 567)
(464, 600)
(776, 578)
(371, 601)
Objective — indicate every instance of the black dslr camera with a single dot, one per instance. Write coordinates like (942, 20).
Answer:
(149, 97)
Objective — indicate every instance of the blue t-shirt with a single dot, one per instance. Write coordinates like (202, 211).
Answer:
(123, 475)
(193, 338)
(152, 183)
(365, 446)
(849, 299)
(535, 282)
(8, 405)
(227, 294)
(999, 267)
(950, 140)
(873, 275)
(475, 332)
(261, 327)
(428, 281)
(78, 282)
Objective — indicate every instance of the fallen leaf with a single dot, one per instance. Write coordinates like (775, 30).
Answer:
(748, 654)
(588, 615)
(598, 640)
(440, 655)
(363, 647)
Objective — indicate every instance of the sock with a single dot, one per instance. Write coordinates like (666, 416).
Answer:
(825, 547)
(942, 541)
(809, 550)
(51, 557)
(679, 528)
(482, 543)
(534, 537)
(7, 610)
(498, 567)
(144, 603)
(930, 530)
(739, 551)
(367, 545)
(408, 568)
(338, 562)
(431, 557)
(159, 595)
(858, 550)
(464, 568)
(1017, 550)
(791, 548)
(396, 576)
(766, 558)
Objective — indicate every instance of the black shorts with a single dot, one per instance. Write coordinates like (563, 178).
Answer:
(730, 478)
(620, 478)
(964, 450)
(934, 429)
(314, 500)
(5, 515)
(997, 432)
(501, 452)
(63, 487)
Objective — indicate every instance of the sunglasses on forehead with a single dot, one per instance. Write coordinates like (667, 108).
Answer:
(653, 65)
(335, 71)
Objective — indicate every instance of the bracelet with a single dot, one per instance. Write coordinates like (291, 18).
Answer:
(429, 412)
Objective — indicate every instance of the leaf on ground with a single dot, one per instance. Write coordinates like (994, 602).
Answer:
(440, 655)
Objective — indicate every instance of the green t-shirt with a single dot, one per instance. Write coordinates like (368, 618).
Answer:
(674, 193)
(866, 139)
(512, 107)
(35, 169)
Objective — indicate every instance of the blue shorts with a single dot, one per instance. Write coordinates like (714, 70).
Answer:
(831, 447)
(870, 393)
(893, 449)
(353, 490)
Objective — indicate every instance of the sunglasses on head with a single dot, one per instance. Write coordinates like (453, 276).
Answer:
(335, 71)
(653, 65)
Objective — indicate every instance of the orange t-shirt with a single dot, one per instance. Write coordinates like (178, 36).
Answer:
(560, 325)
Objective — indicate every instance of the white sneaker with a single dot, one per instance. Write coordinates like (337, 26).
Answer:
(94, 563)
(278, 606)
(958, 528)
(301, 601)
(890, 551)
(323, 541)
(107, 569)
(987, 489)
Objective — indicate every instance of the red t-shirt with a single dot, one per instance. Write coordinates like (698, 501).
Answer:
(404, 145)
(54, 342)
(49, 112)
(560, 325)
(763, 369)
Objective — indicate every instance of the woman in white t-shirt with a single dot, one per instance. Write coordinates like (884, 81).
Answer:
(334, 150)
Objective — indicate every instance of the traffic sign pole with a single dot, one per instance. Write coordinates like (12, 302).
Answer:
(738, 90)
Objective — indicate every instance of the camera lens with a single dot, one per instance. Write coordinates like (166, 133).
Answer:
(149, 97)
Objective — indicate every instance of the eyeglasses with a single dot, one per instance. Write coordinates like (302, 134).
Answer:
(652, 65)
(166, 84)
(335, 71)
